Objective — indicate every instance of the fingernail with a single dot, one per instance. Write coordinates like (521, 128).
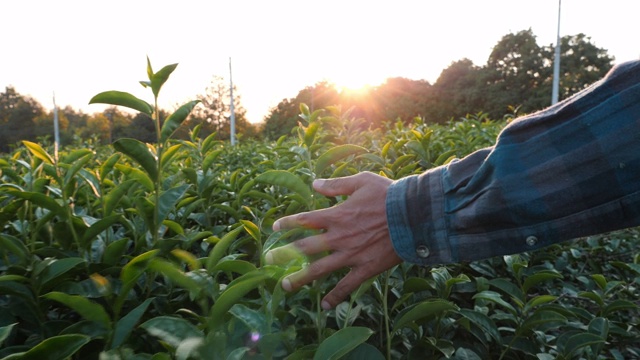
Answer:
(276, 226)
(318, 183)
(325, 305)
(286, 285)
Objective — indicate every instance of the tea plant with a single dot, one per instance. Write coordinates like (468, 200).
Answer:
(159, 251)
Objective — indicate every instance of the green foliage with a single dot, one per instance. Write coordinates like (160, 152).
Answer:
(165, 250)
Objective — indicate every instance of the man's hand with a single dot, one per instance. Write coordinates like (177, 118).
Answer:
(355, 233)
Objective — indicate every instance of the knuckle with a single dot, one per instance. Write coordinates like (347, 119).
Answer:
(304, 219)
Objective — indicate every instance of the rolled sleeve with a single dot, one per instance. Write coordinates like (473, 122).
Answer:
(569, 171)
(417, 228)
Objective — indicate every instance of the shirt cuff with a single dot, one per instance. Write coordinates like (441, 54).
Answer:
(415, 216)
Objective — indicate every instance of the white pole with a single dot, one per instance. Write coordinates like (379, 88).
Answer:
(56, 130)
(556, 63)
(231, 109)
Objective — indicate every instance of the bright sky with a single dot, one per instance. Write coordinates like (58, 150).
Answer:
(80, 48)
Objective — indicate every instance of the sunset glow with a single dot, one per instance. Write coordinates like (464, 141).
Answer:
(277, 48)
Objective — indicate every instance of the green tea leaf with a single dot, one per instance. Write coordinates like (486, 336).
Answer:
(538, 277)
(174, 274)
(60, 347)
(83, 306)
(173, 122)
(172, 330)
(237, 266)
(75, 155)
(310, 133)
(169, 154)
(107, 166)
(137, 266)
(113, 253)
(484, 322)
(232, 295)
(342, 342)
(365, 351)
(113, 197)
(136, 175)
(125, 99)
(15, 246)
(252, 229)
(539, 318)
(422, 310)
(496, 298)
(335, 154)
(138, 152)
(41, 200)
(73, 170)
(191, 260)
(600, 280)
(209, 159)
(56, 270)
(158, 79)
(168, 200)
(37, 151)
(253, 319)
(618, 305)
(288, 180)
(173, 226)
(5, 331)
(221, 247)
(579, 341)
(539, 300)
(98, 227)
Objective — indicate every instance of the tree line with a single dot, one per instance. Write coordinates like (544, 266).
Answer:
(517, 77)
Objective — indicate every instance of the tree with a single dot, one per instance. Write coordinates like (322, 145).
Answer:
(402, 98)
(456, 93)
(17, 115)
(214, 111)
(515, 74)
(581, 63)
(518, 74)
(284, 116)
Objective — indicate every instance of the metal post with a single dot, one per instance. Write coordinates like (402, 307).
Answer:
(231, 108)
(56, 130)
(556, 63)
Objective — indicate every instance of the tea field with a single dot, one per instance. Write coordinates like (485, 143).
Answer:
(156, 251)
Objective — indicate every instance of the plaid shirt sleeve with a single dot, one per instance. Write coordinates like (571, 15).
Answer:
(569, 171)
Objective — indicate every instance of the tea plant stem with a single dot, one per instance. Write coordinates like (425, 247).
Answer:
(156, 211)
(67, 206)
(320, 313)
(385, 307)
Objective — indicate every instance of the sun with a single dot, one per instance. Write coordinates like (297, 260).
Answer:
(352, 82)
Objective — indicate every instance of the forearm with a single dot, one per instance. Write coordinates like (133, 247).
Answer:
(569, 171)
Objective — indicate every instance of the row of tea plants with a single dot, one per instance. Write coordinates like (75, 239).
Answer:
(156, 251)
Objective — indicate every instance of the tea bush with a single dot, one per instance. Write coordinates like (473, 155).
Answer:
(156, 251)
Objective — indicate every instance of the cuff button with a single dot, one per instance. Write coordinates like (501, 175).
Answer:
(531, 240)
(422, 251)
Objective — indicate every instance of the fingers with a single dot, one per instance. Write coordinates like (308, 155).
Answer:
(308, 246)
(282, 255)
(343, 289)
(341, 186)
(309, 220)
(314, 271)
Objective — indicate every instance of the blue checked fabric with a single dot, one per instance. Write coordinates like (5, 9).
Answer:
(569, 171)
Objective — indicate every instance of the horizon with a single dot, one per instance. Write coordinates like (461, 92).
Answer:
(274, 53)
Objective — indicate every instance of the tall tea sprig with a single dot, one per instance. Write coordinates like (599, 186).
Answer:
(152, 163)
